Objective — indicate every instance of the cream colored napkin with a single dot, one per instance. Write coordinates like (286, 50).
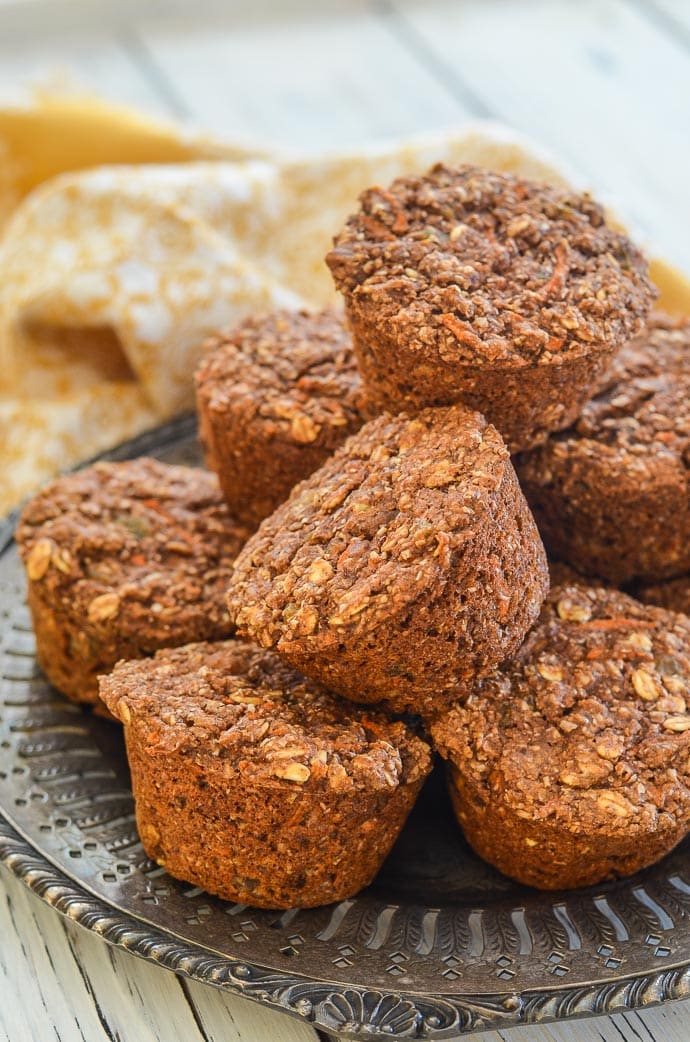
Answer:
(112, 277)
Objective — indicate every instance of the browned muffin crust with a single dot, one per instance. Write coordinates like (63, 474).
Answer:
(469, 285)
(255, 784)
(276, 396)
(405, 567)
(123, 559)
(569, 764)
(611, 494)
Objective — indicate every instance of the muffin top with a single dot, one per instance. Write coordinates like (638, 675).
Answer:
(483, 267)
(588, 726)
(639, 423)
(372, 531)
(141, 544)
(292, 370)
(239, 709)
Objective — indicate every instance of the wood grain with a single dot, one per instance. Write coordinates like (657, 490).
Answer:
(99, 61)
(59, 981)
(336, 80)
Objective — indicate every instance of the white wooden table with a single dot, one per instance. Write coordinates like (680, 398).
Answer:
(604, 83)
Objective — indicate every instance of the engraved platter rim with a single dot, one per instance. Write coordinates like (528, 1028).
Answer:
(439, 945)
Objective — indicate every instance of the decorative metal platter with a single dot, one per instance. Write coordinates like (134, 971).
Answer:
(439, 945)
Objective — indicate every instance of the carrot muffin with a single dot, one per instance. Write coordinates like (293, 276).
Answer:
(122, 559)
(611, 494)
(569, 764)
(673, 594)
(562, 574)
(276, 396)
(508, 295)
(255, 784)
(404, 568)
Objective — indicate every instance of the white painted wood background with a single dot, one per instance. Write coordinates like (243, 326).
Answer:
(604, 83)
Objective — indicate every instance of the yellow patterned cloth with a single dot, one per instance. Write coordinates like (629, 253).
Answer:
(111, 276)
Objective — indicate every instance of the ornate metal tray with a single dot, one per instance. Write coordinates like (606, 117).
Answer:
(440, 944)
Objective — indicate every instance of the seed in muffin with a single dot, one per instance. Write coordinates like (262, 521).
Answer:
(104, 607)
(39, 559)
(320, 571)
(123, 712)
(62, 559)
(672, 704)
(678, 724)
(304, 621)
(640, 641)
(611, 801)
(288, 753)
(337, 775)
(549, 672)
(297, 772)
(610, 747)
(645, 685)
(150, 835)
(572, 611)
(303, 429)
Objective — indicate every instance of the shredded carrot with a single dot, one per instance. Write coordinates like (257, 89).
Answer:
(460, 331)
(612, 624)
(153, 504)
(376, 229)
(556, 283)
(179, 532)
(400, 224)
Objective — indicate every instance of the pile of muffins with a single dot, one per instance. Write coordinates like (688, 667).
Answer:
(362, 582)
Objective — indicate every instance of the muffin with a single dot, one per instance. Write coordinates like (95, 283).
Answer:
(467, 285)
(569, 764)
(276, 396)
(403, 569)
(611, 494)
(123, 559)
(253, 783)
(562, 574)
(673, 594)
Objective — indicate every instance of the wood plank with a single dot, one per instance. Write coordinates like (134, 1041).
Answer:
(224, 1018)
(335, 78)
(671, 16)
(58, 981)
(45, 995)
(667, 1024)
(596, 80)
(94, 62)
